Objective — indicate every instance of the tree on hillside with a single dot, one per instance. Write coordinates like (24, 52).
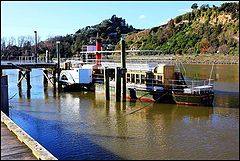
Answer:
(194, 6)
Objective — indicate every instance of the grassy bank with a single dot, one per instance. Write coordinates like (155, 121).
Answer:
(189, 59)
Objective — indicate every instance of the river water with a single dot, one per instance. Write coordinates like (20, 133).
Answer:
(82, 125)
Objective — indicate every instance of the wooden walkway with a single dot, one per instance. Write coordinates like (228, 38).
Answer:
(12, 148)
(16, 144)
(27, 65)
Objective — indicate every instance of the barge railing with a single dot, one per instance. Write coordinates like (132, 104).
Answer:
(192, 86)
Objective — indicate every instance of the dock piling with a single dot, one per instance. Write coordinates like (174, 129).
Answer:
(28, 80)
(20, 77)
(124, 69)
(45, 80)
(4, 95)
(54, 78)
(58, 64)
(106, 81)
(118, 83)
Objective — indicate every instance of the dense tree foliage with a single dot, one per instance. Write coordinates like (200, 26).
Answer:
(204, 30)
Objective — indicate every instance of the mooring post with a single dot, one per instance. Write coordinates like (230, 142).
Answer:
(58, 65)
(124, 70)
(118, 83)
(28, 80)
(45, 80)
(54, 78)
(4, 95)
(28, 93)
(106, 81)
(133, 95)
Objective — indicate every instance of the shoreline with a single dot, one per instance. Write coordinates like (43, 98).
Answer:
(185, 59)
(188, 59)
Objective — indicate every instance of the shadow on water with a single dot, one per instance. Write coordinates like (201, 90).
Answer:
(63, 143)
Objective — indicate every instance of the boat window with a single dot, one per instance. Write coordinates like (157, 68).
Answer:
(137, 78)
(133, 78)
(158, 79)
(155, 69)
(142, 78)
(128, 77)
(64, 77)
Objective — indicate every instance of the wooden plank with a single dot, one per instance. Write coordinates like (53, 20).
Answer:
(37, 150)
(12, 148)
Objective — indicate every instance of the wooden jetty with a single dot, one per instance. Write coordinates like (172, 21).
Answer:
(28, 65)
(16, 144)
(12, 148)
(25, 69)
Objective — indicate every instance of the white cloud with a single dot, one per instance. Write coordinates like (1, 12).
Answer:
(185, 10)
(142, 17)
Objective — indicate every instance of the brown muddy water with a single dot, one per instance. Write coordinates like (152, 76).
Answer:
(82, 125)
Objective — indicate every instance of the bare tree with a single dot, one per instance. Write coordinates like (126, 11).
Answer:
(11, 41)
(3, 43)
(21, 40)
(30, 39)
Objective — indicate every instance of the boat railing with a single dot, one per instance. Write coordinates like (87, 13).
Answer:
(192, 86)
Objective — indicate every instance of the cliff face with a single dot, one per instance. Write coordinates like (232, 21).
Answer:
(204, 30)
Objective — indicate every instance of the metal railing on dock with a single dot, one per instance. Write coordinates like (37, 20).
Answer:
(31, 59)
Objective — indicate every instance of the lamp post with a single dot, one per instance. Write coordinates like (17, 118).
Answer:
(35, 46)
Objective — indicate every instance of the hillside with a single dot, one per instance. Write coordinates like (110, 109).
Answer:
(109, 30)
(204, 30)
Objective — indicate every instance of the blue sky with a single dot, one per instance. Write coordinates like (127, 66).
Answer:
(54, 18)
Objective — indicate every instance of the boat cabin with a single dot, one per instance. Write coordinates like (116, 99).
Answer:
(155, 75)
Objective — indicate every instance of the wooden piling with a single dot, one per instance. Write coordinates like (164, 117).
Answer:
(106, 82)
(4, 95)
(28, 80)
(124, 70)
(58, 65)
(28, 93)
(19, 84)
(54, 78)
(133, 95)
(118, 83)
(20, 92)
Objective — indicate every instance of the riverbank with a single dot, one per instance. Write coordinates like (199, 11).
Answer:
(189, 59)
(186, 59)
